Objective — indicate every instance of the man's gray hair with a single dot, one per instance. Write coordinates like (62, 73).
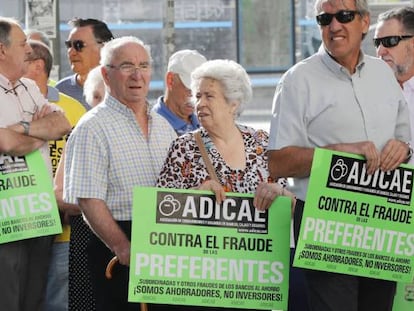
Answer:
(41, 51)
(360, 5)
(405, 15)
(6, 24)
(35, 34)
(110, 47)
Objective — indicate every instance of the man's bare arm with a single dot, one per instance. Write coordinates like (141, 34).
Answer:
(49, 127)
(293, 161)
(105, 227)
(15, 144)
(53, 126)
(67, 208)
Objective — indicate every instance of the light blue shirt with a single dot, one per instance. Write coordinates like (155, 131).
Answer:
(180, 126)
(107, 155)
(318, 103)
(52, 94)
(70, 87)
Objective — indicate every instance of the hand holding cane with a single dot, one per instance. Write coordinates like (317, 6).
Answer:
(108, 275)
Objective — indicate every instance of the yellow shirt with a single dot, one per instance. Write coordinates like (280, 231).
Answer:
(73, 111)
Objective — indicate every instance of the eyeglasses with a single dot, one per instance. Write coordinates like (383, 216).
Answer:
(131, 68)
(344, 17)
(78, 45)
(27, 113)
(390, 41)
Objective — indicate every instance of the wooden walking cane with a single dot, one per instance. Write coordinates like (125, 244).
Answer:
(108, 275)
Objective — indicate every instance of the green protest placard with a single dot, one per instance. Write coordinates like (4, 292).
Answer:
(188, 250)
(404, 297)
(27, 202)
(357, 224)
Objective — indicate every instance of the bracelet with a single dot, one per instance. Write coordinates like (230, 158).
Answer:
(26, 127)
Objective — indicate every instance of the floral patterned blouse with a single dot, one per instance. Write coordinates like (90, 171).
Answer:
(184, 167)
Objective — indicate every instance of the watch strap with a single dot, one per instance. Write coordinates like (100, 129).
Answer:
(26, 127)
(410, 151)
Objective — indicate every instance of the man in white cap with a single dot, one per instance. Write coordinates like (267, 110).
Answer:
(176, 105)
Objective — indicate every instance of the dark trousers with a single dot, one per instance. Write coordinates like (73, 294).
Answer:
(111, 295)
(297, 300)
(23, 268)
(328, 291)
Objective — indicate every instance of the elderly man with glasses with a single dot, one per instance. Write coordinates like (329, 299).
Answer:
(27, 123)
(343, 100)
(119, 144)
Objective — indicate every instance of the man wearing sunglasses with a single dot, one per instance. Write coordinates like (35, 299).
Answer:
(343, 100)
(394, 43)
(83, 47)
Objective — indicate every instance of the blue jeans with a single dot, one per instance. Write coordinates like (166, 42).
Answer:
(58, 278)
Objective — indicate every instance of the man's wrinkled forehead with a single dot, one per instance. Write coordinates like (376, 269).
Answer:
(348, 4)
(84, 32)
(131, 51)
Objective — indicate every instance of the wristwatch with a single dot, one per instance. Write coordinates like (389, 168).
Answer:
(410, 151)
(26, 127)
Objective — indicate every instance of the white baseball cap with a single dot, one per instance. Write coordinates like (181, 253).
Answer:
(183, 63)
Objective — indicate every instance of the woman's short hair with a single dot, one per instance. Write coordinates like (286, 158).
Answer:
(93, 82)
(232, 77)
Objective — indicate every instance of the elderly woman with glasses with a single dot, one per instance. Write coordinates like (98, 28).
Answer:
(237, 153)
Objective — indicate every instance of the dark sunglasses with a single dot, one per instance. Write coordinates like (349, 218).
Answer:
(78, 45)
(389, 42)
(343, 17)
